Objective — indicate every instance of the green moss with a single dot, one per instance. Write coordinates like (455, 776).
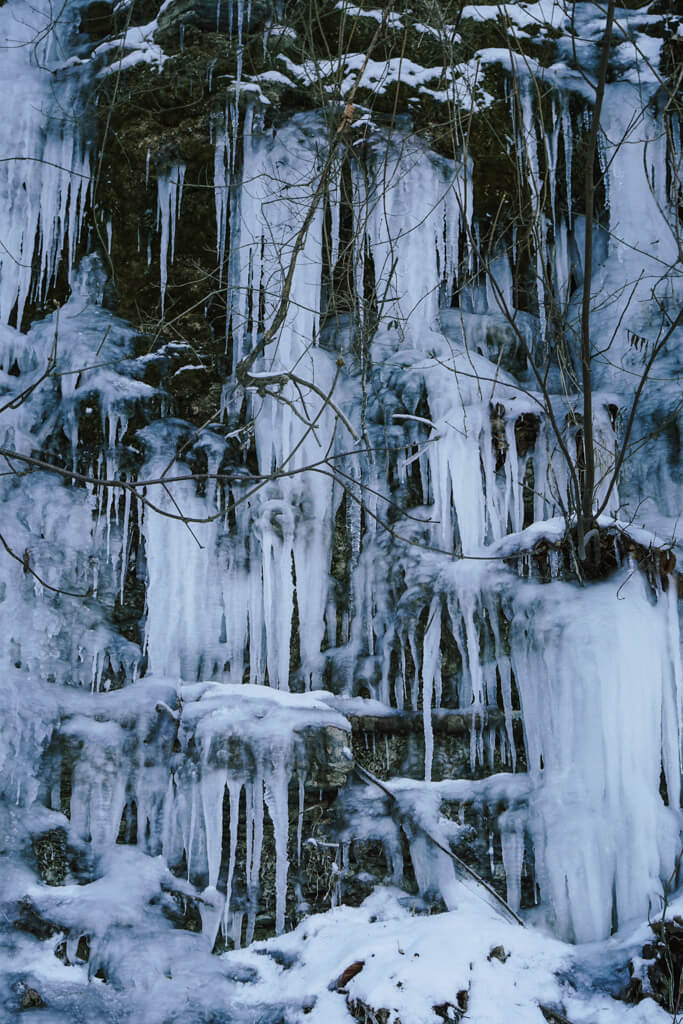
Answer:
(164, 118)
(498, 193)
(49, 850)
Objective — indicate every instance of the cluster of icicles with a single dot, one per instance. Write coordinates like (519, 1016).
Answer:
(45, 172)
(275, 560)
(221, 598)
(117, 754)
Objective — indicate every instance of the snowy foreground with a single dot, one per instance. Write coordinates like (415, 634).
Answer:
(103, 944)
(93, 930)
(420, 969)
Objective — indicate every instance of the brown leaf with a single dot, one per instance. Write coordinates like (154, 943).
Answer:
(351, 971)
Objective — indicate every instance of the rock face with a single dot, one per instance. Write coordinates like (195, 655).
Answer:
(50, 853)
(294, 409)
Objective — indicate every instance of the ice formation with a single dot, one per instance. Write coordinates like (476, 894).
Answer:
(45, 175)
(371, 524)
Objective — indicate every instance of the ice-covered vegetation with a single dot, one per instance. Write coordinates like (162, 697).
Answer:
(340, 421)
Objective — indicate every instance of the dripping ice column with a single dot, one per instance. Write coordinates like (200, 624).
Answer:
(600, 695)
(184, 587)
(294, 519)
(412, 230)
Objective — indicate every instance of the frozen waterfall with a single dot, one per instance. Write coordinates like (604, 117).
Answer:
(230, 569)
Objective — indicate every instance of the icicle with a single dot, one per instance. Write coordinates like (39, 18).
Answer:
(234, 790)
(235, 931)
(212, 786)
(170, 194)
(48, 182)
(300, 819)
(124, 542)
(254, 849)
(240, 46)
(568, 140)
(431, 678)
(511, 824)
(211, 912)
(221, 181)
(276, 799)
(189, 842)
(595, 747)
(278, 592)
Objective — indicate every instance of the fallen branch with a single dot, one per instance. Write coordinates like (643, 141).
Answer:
(552, 1016)
(367, 776)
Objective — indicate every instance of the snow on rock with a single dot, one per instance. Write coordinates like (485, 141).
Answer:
(244, 738)
(137, 754)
